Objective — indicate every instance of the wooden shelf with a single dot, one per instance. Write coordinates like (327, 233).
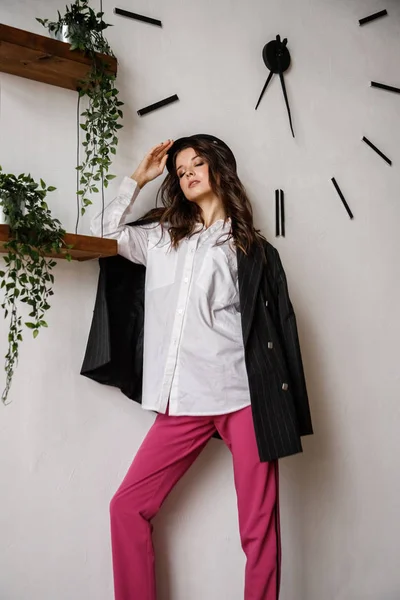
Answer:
(85, 247)
(43, 59)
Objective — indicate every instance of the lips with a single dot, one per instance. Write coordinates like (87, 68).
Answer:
(193, 183)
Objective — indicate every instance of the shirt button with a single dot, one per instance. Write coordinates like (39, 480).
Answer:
(186, 279)
(266, 303)
(180, 311)
(285, 386)
(192, 250)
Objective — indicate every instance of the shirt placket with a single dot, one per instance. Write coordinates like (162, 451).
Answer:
(170, 385)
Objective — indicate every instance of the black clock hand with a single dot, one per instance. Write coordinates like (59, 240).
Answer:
(264, 88)
(286, 100)
(276, 58)
(281, 47)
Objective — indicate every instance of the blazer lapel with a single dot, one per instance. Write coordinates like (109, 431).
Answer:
(249, 274)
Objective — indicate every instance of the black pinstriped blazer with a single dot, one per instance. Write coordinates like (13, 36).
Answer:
(279, 401)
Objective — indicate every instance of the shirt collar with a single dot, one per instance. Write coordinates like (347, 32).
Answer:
(219, 223)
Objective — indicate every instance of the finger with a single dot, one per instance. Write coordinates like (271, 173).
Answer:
(164, 161)
(154, 150)
(160, 148)
(165, 149)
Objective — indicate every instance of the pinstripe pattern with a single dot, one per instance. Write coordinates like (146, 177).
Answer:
(115, 347)
(114, 352)
(280, 416)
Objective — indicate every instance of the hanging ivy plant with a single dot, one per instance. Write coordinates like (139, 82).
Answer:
(101, 123)
(27, 277)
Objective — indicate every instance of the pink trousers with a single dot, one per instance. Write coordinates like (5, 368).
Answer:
(170, 447)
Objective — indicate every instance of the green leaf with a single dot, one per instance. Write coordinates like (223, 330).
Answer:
(51, 188)
(36, 333)
(30, 325)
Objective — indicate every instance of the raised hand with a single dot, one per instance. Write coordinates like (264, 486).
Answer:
(153, 163)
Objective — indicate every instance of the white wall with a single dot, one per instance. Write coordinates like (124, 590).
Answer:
(66, 442)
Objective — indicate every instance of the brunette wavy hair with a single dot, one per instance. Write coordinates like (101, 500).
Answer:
(180, 215)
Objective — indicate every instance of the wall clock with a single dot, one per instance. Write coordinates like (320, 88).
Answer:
(276, 57)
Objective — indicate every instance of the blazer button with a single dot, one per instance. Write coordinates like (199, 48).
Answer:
(285, 386)
(270, 345)
(266, 303)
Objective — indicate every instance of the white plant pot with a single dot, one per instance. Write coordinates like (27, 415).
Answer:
(63, 35)
(3, 219)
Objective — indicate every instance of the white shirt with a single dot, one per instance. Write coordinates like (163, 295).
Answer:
(193, 346)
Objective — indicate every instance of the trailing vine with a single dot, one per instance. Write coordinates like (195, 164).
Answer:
(27, 277)
(101, 123)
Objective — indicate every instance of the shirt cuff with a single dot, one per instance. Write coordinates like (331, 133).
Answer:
(129, 187)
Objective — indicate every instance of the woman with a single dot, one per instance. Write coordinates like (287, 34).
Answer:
(221, 355)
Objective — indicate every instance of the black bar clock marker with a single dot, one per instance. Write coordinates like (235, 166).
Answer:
(371, 145)
(151, 107)
(282, 206)
(383, 86)
(377, 15)
(131, 15)
(339, 191)
(279, 213)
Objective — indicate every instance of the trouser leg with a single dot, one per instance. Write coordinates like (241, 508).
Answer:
(170, 447)
(258, 506)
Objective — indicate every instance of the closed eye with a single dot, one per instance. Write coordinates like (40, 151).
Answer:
(182, 173)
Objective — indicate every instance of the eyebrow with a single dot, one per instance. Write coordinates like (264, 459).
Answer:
(180, 166)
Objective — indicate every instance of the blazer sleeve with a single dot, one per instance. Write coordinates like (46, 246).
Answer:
(114, 351)
(291, 347)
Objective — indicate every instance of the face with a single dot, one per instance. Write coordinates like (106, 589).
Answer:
(192, 172)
